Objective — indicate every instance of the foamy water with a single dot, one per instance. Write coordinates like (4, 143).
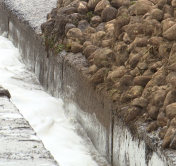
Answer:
(63, 136)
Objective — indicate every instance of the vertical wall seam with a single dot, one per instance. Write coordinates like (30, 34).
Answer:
(112, 136)
(62, 76)
(8, 26)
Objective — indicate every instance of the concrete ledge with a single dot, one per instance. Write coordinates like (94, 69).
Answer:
(19, 144)
(64, 76)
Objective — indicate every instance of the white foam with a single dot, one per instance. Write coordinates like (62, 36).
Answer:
(44, 112)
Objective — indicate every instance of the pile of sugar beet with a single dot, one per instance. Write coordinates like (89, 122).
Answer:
(130, 50)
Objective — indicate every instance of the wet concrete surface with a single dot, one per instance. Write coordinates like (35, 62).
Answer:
(19, 145)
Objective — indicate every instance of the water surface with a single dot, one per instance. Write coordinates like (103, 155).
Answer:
(63, 136)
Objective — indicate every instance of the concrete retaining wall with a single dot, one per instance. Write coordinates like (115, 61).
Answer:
(63, 76)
